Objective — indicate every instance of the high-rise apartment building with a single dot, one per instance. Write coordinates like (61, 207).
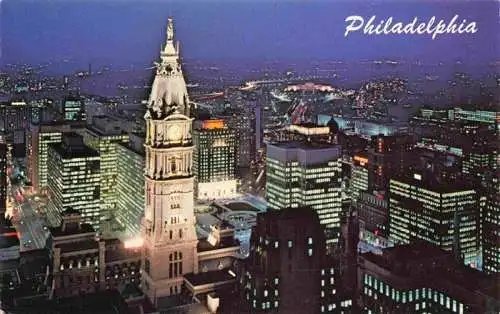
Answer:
(39, 137)
(73, 179)
(130, 185)
(103, 136)
(443, 213)
(214, 160)
(306, 174)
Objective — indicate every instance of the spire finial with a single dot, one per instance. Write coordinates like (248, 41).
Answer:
(170, 29)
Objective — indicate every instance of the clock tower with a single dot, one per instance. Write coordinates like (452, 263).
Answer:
(168, 226)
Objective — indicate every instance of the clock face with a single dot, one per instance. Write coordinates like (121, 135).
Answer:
(174, 133)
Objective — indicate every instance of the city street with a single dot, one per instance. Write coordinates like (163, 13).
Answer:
(29, 224)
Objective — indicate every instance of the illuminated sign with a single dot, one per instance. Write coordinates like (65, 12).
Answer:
(417, 177)
(362, 160)
(213, 124)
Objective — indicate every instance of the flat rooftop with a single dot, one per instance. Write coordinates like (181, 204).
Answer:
(58, 232)
(209, 277)
(76, 151)
(225, 242)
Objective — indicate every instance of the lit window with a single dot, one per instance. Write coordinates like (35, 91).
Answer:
(310, 252)
(310, 241)
(276, 244)
(290, 244)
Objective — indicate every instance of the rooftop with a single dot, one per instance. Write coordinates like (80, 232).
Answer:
(435, 264)
(225, 242)
(68, 152)
(209, 277)
(84, 228)
(78, 246)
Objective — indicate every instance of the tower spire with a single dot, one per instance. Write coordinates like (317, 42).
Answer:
(169, 92)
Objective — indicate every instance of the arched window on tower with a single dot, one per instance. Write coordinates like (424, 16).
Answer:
(180, 233)
(171, 234)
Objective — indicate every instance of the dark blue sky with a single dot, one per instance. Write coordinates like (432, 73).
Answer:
(122, 32)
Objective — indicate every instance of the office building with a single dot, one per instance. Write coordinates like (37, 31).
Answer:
(214, 160)
(103, 136)
(491, 226)
(14, 116)
(373, 214)
(236, 119)
(73, 109)
(3, 178)
(421, 278)
(288, 270)
(306, 174)
(483, 116)
(359, 181)
(130, 185)
(39, 137)
(443, 213)
(73, 179)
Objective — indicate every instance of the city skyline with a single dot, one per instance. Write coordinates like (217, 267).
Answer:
(276, 189)
(223, 30)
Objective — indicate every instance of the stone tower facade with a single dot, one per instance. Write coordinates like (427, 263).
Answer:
(169, 233)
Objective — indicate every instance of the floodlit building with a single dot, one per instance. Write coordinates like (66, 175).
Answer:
(74, 179)
(306, 174)
(176, 265)
(214, 160)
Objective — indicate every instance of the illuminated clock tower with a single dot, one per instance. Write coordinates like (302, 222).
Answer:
(169, 234)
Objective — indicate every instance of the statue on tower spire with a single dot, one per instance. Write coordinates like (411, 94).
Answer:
(170, 29)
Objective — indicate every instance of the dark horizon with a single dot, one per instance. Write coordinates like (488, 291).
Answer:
(124, 33)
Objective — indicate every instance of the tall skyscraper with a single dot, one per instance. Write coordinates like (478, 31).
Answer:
(130, 185)
(214, 160)
(39, 137)
(491, 226)
(73, 179)
(442, 213)
(103, 136)
(300, 174)
(3, 178)
(170, 239)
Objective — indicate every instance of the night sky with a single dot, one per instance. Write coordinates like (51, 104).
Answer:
(124, 32)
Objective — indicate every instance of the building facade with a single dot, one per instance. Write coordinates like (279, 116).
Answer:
(130, 186)
(39, 137)
(103, 136)
(74, 179)
(214, 160)
(306, 175)
(442, 213)
(421, 278)
(170, 239)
